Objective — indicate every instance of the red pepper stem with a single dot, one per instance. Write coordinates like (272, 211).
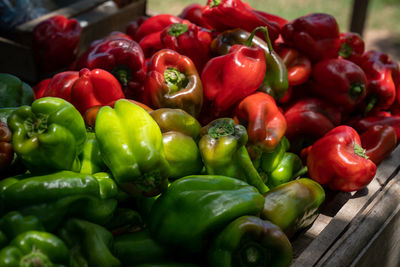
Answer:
(175, 80)
(177, 29)
(215, 3)
(371, 104)
(360, 151)
(263, 30)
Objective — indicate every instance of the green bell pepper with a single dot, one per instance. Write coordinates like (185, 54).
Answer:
(222, 148)
(287, 168)
(196, 206)
(35, 248)
(49, 135)
(250, 241)
(14, 223)
(91, 159)
(14, 92)
(125, 220)
(5, 113)
(131, 144)
(294, 205)
(90, 244)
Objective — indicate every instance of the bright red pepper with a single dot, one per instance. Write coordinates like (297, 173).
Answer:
(151, 43)
(40, 88)
(55, 42)
(194, 14)
(94, 87)
(383, 77)
(230, 14)
(122, 57)
(339, 161)
(363, 124)
(60, 85)
(352, 46)
(188, 40)
(379, 141)
(155, 24)
(266, 125)
(316, 35)
(309, 119)
(133, 27)
(173, 82)
(229, 78)
(339, 81)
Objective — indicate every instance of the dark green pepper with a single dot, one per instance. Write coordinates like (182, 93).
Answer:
(14, 92)
(250, 241)
(196, 206)
(294, 205)
(14, 223)
(49, 135)
(5, 113)
(91, 160)
(125, 220)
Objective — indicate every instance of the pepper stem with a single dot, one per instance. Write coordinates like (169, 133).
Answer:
(122, 74)
(215, 3)
(371, 104)
(252, 254)
(36, 125)
(35, 259)
(357, 90)
(345, 50)
(221, 129)
(264, 30)
(177, 29)
(360, 151)
(175, 80)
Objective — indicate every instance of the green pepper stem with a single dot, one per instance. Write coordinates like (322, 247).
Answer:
(175, 80)
(345, 50)
(36, 125)
(360, 151)
(264, 30)
(252, 254)
(177, 29)
(356, 90)
(220, 129)
(215, 3)
(122, 74)
(371, 104)
(35, 259)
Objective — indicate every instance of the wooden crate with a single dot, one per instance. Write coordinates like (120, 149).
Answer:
(97, 18)
(357, 229)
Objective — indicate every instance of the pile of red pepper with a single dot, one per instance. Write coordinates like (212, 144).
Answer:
(222, 90)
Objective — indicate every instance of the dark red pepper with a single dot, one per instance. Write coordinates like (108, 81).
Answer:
(271, 17)
(40, 88)
(6, 148)
(133, 27)
(352, 46)
(155, 24)
(194, 14)
(60, 85)
(363, 124)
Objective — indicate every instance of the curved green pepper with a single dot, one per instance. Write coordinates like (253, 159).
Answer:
(91, 159)
(14, 92)
(34, 248)
(49, 135)
(193, 207)
(294, 205)
(14, 223)
(250, 241)
(286, 169)
(131, 144)
(222, 147)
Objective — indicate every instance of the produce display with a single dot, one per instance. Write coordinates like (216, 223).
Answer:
(204, 139)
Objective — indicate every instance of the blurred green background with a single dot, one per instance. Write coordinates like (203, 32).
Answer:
(382, 27)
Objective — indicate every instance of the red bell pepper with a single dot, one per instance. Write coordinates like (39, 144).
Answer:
(383, 77)
(339, 81)
(230, 14)
(188, 40)
(6, 148)
(60, 85)
(316, 35)
(40, 88)
(55, 42)
(395, 108)
(194, 14)
(150, 44)
(352, 46)
(379, 141)
(339, 161)
(123, 58)
(229, 78)
(363, 124)
(271, 17)
(94, 87)
(155, 24)
(173, 82)
(266, 125)
(308, 120)
(133, 27)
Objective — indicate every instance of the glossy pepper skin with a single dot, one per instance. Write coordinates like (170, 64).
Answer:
(230, 14)
(266, 125)
(121, 57)
(14, 92)
(316, 35)
(40, 88)
(155, 24)
(229, 78)
(339, 81)
(55, 42)
(35, 248)
(14, 223)
(338, 161)
(294, 205)
(275, 81)
(173, 82)
(89, 244)
(222, 148)
(131, 144)
(352, 46)
(49, 135)
(363, 124)
(61, 84)
(194, 14)
(91, 159)
(189, 40)
(53, 197)
(193, 207)
(379, 141)
(286, 170)
(250, 241)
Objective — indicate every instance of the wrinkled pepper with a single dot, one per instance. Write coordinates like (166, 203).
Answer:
(91, 159)
(379, 141)
(338, 160)
(49, 135)
(250, 241)
(61, 84)
(173, 82)
(14, 92)
(293, 206)
(316, 35)
(222, 148)
(194, 14)
(89, 244)
(56, 42)
(352, 46)
(135, 154)
(150, 44)
(35, 248)
(195, 207)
